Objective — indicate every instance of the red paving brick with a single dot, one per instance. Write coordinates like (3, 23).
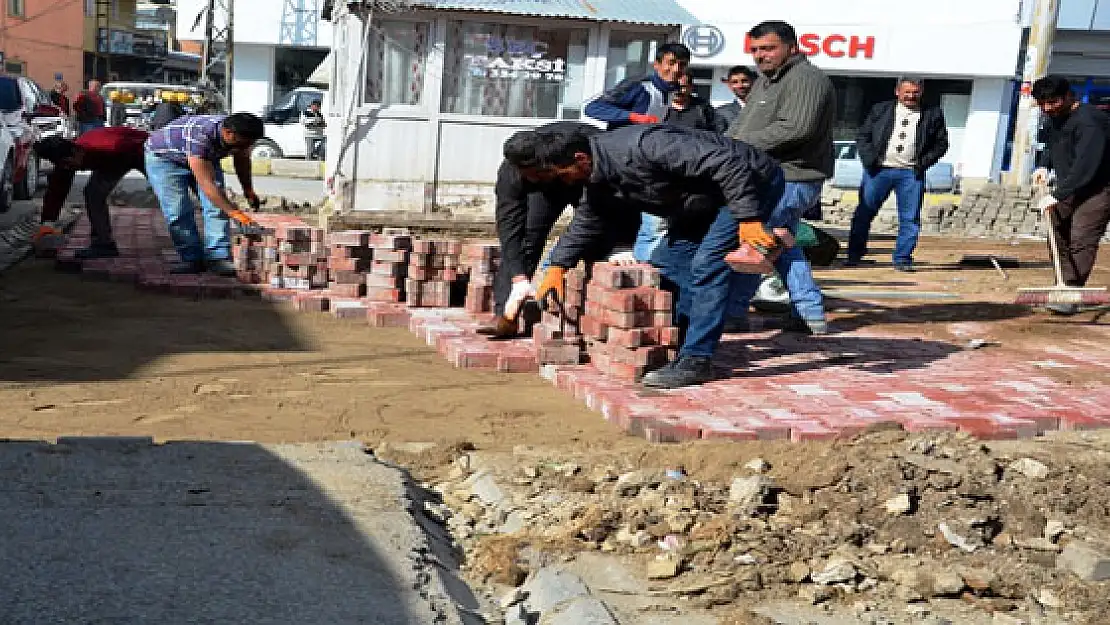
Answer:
(771, 386)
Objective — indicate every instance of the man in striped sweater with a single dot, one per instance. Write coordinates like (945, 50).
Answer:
(789, 115)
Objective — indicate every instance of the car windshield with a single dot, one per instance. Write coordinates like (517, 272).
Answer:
(10, 97)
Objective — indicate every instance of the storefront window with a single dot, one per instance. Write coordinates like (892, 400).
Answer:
(630, 54)
(395, 65)
(514, 71)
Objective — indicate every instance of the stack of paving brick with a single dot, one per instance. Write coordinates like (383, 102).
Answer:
(479, 261)
(432, 272)
(557, 338)
(385, 283)
(349, 260)
(627, 321)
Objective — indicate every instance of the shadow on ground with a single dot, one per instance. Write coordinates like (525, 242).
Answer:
(941, 312)
(60, 327)
(784, 354)
(111, 531)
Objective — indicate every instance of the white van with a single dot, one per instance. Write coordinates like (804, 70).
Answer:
(284, 132)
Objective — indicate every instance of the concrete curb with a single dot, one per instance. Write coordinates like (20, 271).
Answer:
(281, 167)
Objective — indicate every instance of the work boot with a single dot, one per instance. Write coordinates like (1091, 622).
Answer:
(97, 250)
(187, 267)
(501, 329)
(222, 267)
(805, 326)
(686, 371)
(1065, 310)
(904, 267)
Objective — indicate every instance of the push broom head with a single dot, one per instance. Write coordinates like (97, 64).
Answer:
(1044, 296)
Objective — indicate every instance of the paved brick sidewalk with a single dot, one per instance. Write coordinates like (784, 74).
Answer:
(771, 386)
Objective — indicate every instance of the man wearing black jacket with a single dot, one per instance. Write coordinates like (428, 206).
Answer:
(897, 143)
(688, 110)
(1079, 152)
(712, 191)
(529, 202)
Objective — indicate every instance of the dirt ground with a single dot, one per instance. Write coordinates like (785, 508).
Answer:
(93, 358)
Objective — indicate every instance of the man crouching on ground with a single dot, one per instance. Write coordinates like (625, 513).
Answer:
(685, 177)
(109, 153)
(185, 155)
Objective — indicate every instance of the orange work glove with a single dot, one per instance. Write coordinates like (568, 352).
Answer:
(753, 233)
(240, 217)
(552, 281)
(641, 118)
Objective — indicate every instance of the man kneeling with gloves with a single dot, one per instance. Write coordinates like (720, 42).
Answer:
(529, 202)
(714, 193)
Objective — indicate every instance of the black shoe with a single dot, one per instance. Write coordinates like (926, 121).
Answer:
(1065, 310)
(904, 267)
(221, 268)
(815, 327)
(686, 371)
(187, 267)
(853, 262)
(103, 250)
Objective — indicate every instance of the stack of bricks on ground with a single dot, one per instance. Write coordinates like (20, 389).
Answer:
(357, 273)
(620, 314)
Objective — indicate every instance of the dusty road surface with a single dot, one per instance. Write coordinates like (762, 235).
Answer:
(95, 358)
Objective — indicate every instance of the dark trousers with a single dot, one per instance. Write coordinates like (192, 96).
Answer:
(314, 148)
(543, 211)
(97, 190)
(1078, 230)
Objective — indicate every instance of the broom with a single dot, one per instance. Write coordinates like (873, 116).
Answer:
(1060, 293)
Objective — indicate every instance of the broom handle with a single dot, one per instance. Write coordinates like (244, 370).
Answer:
(1052, 246)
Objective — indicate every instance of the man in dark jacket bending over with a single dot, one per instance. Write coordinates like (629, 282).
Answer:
(529, 202)
(713, 192)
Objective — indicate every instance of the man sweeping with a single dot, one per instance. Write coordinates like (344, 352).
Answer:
(108, 153)
(1078, 149)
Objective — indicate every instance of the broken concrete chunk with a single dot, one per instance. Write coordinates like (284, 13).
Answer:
(1086, 561)
(947, 583)
(580, 611)
(837, 571)
(1053, 530)
(666, 567)
(483, 486)
(899, 504)
(549, 587)
(746, 494)
(758, 465)
(1030, 468)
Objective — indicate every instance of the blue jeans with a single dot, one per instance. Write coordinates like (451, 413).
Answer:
(805, 296)
(84, 127)
(873, 191)
(171, 183)
(695, 269)
(648, 237)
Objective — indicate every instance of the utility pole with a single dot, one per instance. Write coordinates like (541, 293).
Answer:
(1038, 52)
(219, 25)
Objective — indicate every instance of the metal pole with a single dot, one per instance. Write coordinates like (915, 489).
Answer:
(1038, 52)
(206, 54)
(229, 52)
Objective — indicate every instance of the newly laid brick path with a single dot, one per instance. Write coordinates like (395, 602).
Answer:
(771, 386)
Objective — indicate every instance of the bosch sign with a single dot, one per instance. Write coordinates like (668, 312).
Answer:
(704, 41)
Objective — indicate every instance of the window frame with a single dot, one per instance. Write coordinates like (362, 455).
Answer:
(533, 22)
(17, 8)
(413, 22)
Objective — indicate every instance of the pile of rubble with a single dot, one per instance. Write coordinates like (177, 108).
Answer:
(889, 521)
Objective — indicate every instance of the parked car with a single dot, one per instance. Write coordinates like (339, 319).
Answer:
(849, 171)
(284, 132)
(22, 111)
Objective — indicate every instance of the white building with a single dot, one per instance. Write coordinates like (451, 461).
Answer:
(967, 50)
(278, 43)
(422, 101)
